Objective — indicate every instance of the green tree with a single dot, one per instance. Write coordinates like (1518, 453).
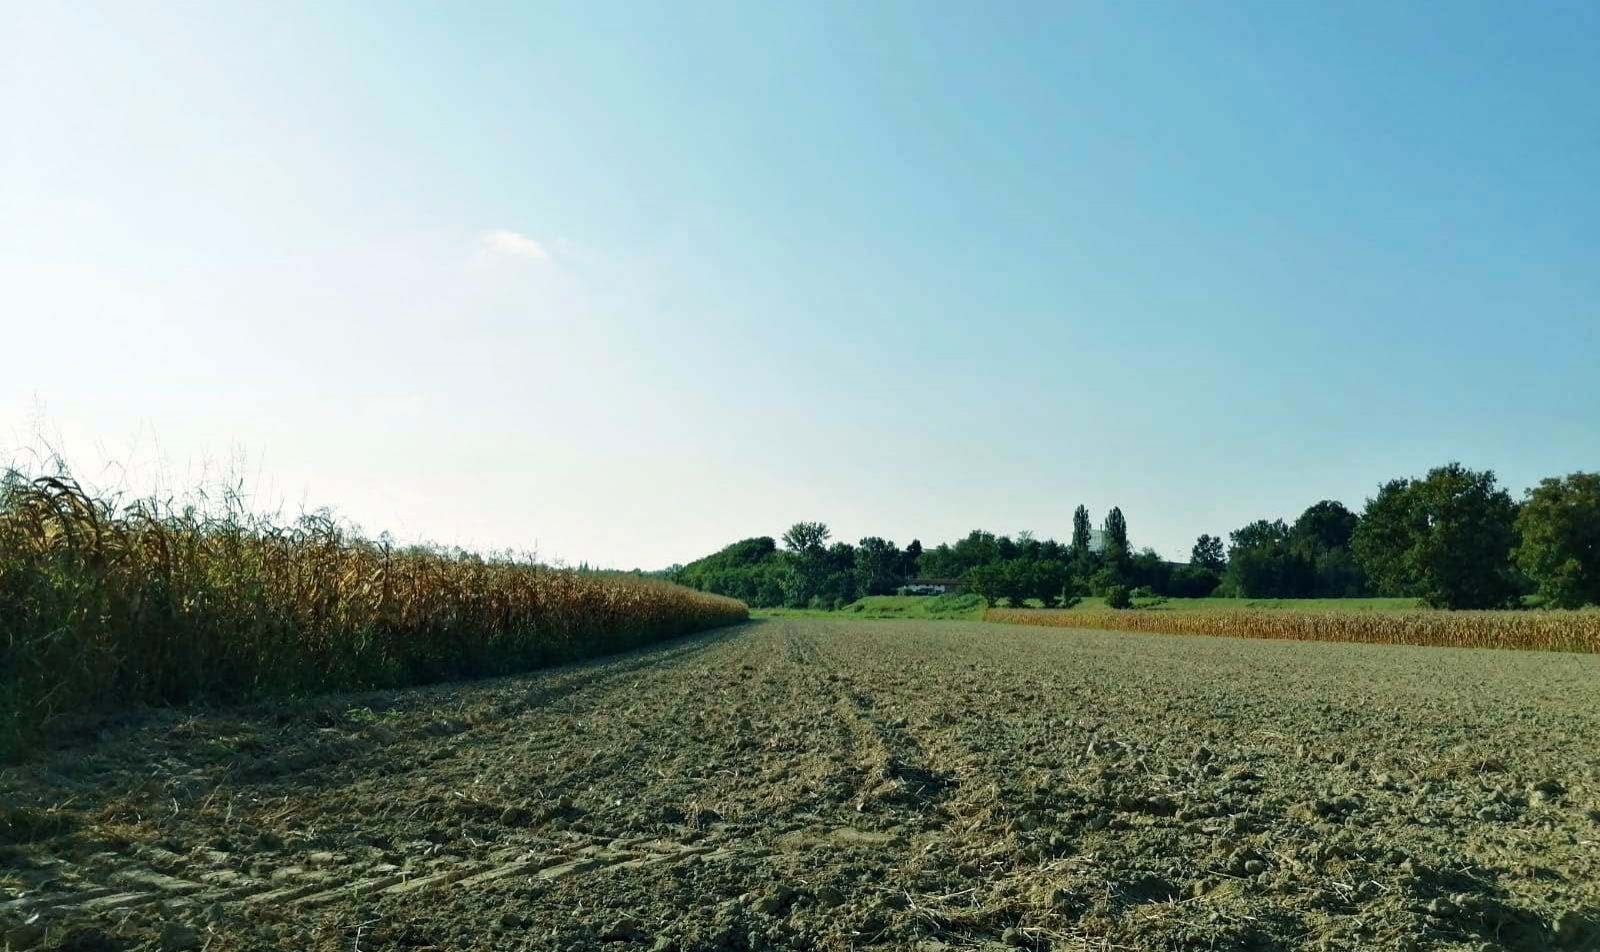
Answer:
(1104, 579)
(987, 582)
(1115, 562)
(913, 555)
(1147, 569)
(879, 564)
(940, 562)
(1006, 549)
(1325, 525)
(1115, 558)
(1047, 578)
(1383, 540)
(1445, 538)
(804, 537)
(1116, 535)
(838, 583)
(1559, 526)
(1017, 580)
(1208, 554)
(1193, 581)
(1320, 540)
(978, 548)
(1260, 560)
(809, 558)
(1337, 575)
(751, 570)
(1080, 533)
(1028, 547)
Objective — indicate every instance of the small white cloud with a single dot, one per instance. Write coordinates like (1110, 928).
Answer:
(512, 244)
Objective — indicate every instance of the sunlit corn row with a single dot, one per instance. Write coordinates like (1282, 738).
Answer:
(102, 606)
(1527, 630)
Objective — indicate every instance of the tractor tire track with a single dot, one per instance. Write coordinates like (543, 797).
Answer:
(833, 784)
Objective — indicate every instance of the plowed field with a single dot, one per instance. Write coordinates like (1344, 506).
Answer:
(813, 783)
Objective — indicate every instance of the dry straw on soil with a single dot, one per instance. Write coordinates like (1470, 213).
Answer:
(1525, 630)
(103, 605)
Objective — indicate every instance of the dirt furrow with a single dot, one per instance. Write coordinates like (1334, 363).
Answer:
(824, 784)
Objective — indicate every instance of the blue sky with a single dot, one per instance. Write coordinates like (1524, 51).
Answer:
(623, 283)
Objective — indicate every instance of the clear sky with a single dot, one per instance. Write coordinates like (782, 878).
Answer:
(625, 282)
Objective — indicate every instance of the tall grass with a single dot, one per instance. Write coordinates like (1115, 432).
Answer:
(104, 605)
(1523, 630)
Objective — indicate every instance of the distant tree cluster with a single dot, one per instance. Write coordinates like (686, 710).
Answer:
(1025, 569)
(1446, 538)
(750, 570)
(1558, 528)
(1310, 559)
(1452, 538)
(808, 571)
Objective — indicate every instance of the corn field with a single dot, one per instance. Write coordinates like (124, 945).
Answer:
(104, 606)
(1524, 630)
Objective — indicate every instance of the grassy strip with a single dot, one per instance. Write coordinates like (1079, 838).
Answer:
(102, 607)
(1523, 630)
(920, 607)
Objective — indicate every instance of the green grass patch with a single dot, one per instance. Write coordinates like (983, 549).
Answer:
(919, 607)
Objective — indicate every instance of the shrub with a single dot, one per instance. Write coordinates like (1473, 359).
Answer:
(1117, 596)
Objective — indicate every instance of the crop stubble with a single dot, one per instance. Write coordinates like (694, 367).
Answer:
(829, 784)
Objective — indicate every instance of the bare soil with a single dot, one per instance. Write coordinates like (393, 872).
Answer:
(820, 783)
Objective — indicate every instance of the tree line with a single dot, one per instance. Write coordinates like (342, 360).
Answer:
(810, 570)
(1452, 538)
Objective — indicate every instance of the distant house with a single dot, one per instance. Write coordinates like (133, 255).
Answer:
(930, 586)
